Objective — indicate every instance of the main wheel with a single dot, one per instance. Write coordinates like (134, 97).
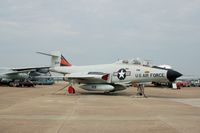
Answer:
(71, 90)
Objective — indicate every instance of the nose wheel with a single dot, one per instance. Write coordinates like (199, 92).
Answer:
(71, 90)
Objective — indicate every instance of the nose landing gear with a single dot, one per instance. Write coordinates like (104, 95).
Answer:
(140, 91)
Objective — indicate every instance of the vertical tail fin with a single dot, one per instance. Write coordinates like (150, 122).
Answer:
(57, 59)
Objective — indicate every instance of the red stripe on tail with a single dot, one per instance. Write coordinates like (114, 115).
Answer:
(64, 62)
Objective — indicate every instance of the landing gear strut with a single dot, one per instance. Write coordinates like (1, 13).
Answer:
(68, 89)
(140, 91)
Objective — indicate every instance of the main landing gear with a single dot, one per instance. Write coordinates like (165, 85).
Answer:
(71, 90)
(67, 89)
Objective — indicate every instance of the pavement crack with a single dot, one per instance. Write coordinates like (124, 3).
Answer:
(68, 119)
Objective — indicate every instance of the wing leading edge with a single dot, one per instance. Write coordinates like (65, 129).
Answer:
(87, 78)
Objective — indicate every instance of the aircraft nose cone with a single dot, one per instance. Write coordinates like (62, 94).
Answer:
(173, 75)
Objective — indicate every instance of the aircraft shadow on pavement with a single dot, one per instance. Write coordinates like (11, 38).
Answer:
(94, 94)
(105, 94)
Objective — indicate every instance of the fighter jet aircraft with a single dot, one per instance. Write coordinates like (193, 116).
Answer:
(108, 77)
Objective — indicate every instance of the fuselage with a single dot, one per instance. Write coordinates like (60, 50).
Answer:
(119, 73)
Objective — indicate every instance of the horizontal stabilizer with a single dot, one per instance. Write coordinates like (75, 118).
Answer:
(55, 57)
(55, 54)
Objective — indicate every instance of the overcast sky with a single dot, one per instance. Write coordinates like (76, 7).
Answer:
(101, 31)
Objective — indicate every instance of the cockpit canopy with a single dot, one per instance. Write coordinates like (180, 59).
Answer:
(136, 61)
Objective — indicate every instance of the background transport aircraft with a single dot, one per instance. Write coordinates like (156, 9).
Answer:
(12, 76)
(108, 77)
(9, 76)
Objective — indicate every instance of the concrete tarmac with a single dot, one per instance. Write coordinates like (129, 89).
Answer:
(42, 110)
